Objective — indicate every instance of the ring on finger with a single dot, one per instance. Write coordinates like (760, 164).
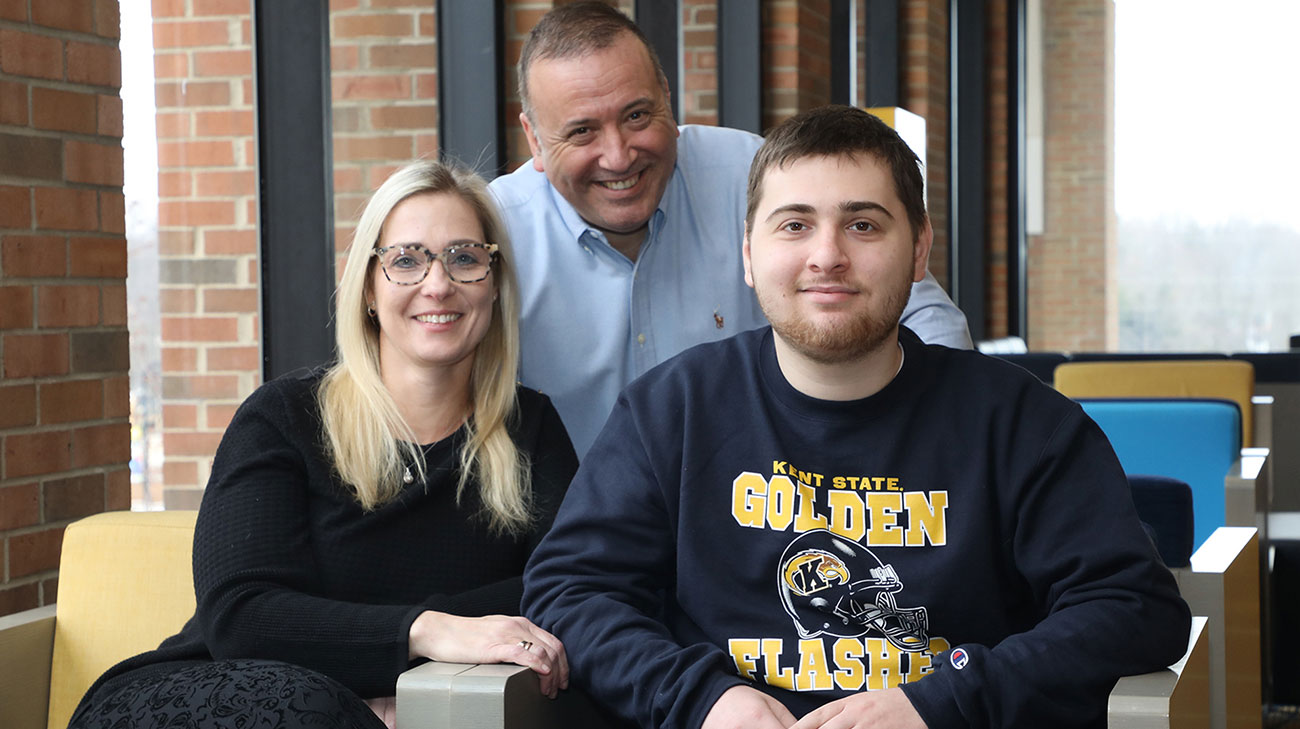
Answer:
(526, 645)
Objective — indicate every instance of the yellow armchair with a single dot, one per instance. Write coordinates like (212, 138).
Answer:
(124, 585)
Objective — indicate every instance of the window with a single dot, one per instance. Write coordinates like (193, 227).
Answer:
(1208, 255)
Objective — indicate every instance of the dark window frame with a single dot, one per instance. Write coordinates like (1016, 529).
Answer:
(295, 173)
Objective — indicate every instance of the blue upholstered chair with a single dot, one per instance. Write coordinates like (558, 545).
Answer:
(1196, 441)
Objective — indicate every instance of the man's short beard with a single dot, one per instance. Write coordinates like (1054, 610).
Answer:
(845, 343)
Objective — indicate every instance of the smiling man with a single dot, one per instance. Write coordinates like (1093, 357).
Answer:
(829, 523)
(627, 228)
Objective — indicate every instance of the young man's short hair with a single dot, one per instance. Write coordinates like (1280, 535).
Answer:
(839, 131)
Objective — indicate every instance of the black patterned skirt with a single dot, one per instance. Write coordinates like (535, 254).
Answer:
(234, 694)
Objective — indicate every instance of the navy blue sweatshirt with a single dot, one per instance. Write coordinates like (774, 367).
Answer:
(966, 533)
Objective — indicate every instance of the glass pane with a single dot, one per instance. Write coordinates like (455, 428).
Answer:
(140, 188)
(1205, 153)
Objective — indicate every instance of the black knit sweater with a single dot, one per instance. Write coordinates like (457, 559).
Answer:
(288, 566)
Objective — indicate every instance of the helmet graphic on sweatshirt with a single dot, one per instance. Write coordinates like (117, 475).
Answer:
(834, 586)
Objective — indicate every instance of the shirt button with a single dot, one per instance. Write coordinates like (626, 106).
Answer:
(640, 339)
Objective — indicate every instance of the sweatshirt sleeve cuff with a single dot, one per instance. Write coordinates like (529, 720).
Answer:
(707, 694)
(933, 700)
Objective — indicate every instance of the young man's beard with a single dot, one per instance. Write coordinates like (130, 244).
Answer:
(844, 342)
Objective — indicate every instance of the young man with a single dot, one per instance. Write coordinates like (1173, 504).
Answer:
(627, 228)
(829, 521)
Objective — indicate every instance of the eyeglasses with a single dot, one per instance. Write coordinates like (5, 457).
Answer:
(408, 265)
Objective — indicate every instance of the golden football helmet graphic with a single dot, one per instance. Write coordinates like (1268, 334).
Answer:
(834, 586)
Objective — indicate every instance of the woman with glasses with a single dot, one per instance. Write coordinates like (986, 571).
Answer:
(379, 512)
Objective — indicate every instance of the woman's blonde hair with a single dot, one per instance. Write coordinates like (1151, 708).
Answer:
(370, 444)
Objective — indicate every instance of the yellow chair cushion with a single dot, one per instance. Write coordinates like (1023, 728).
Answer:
(125, 584)
(1218, 379)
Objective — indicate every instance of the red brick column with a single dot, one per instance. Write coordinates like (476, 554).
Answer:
(1070, 305)
(796, 58)
(925, 92)
(699, 92)
(64, 397)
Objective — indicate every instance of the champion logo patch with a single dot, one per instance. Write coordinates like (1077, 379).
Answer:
(959, 658)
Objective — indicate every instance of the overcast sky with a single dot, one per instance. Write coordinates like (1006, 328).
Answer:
(1207, 110)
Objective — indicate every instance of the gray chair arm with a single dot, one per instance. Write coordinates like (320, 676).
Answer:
(1176, 697)
(1223, 584)
(496, 696)
(26, 649)
(1261, 408)
(1248, 491)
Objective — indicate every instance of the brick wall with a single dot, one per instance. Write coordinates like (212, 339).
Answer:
(64, 396)
(207, 231)
(699, 92)
(796, 58)
(1070, 299)
(924, 91)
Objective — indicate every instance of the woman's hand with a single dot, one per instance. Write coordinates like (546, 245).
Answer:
(386, 709)
(492, 639)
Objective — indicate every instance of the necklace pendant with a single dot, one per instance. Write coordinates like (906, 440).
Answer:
(407, 477)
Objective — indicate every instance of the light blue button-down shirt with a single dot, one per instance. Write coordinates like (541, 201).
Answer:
(592, 321)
